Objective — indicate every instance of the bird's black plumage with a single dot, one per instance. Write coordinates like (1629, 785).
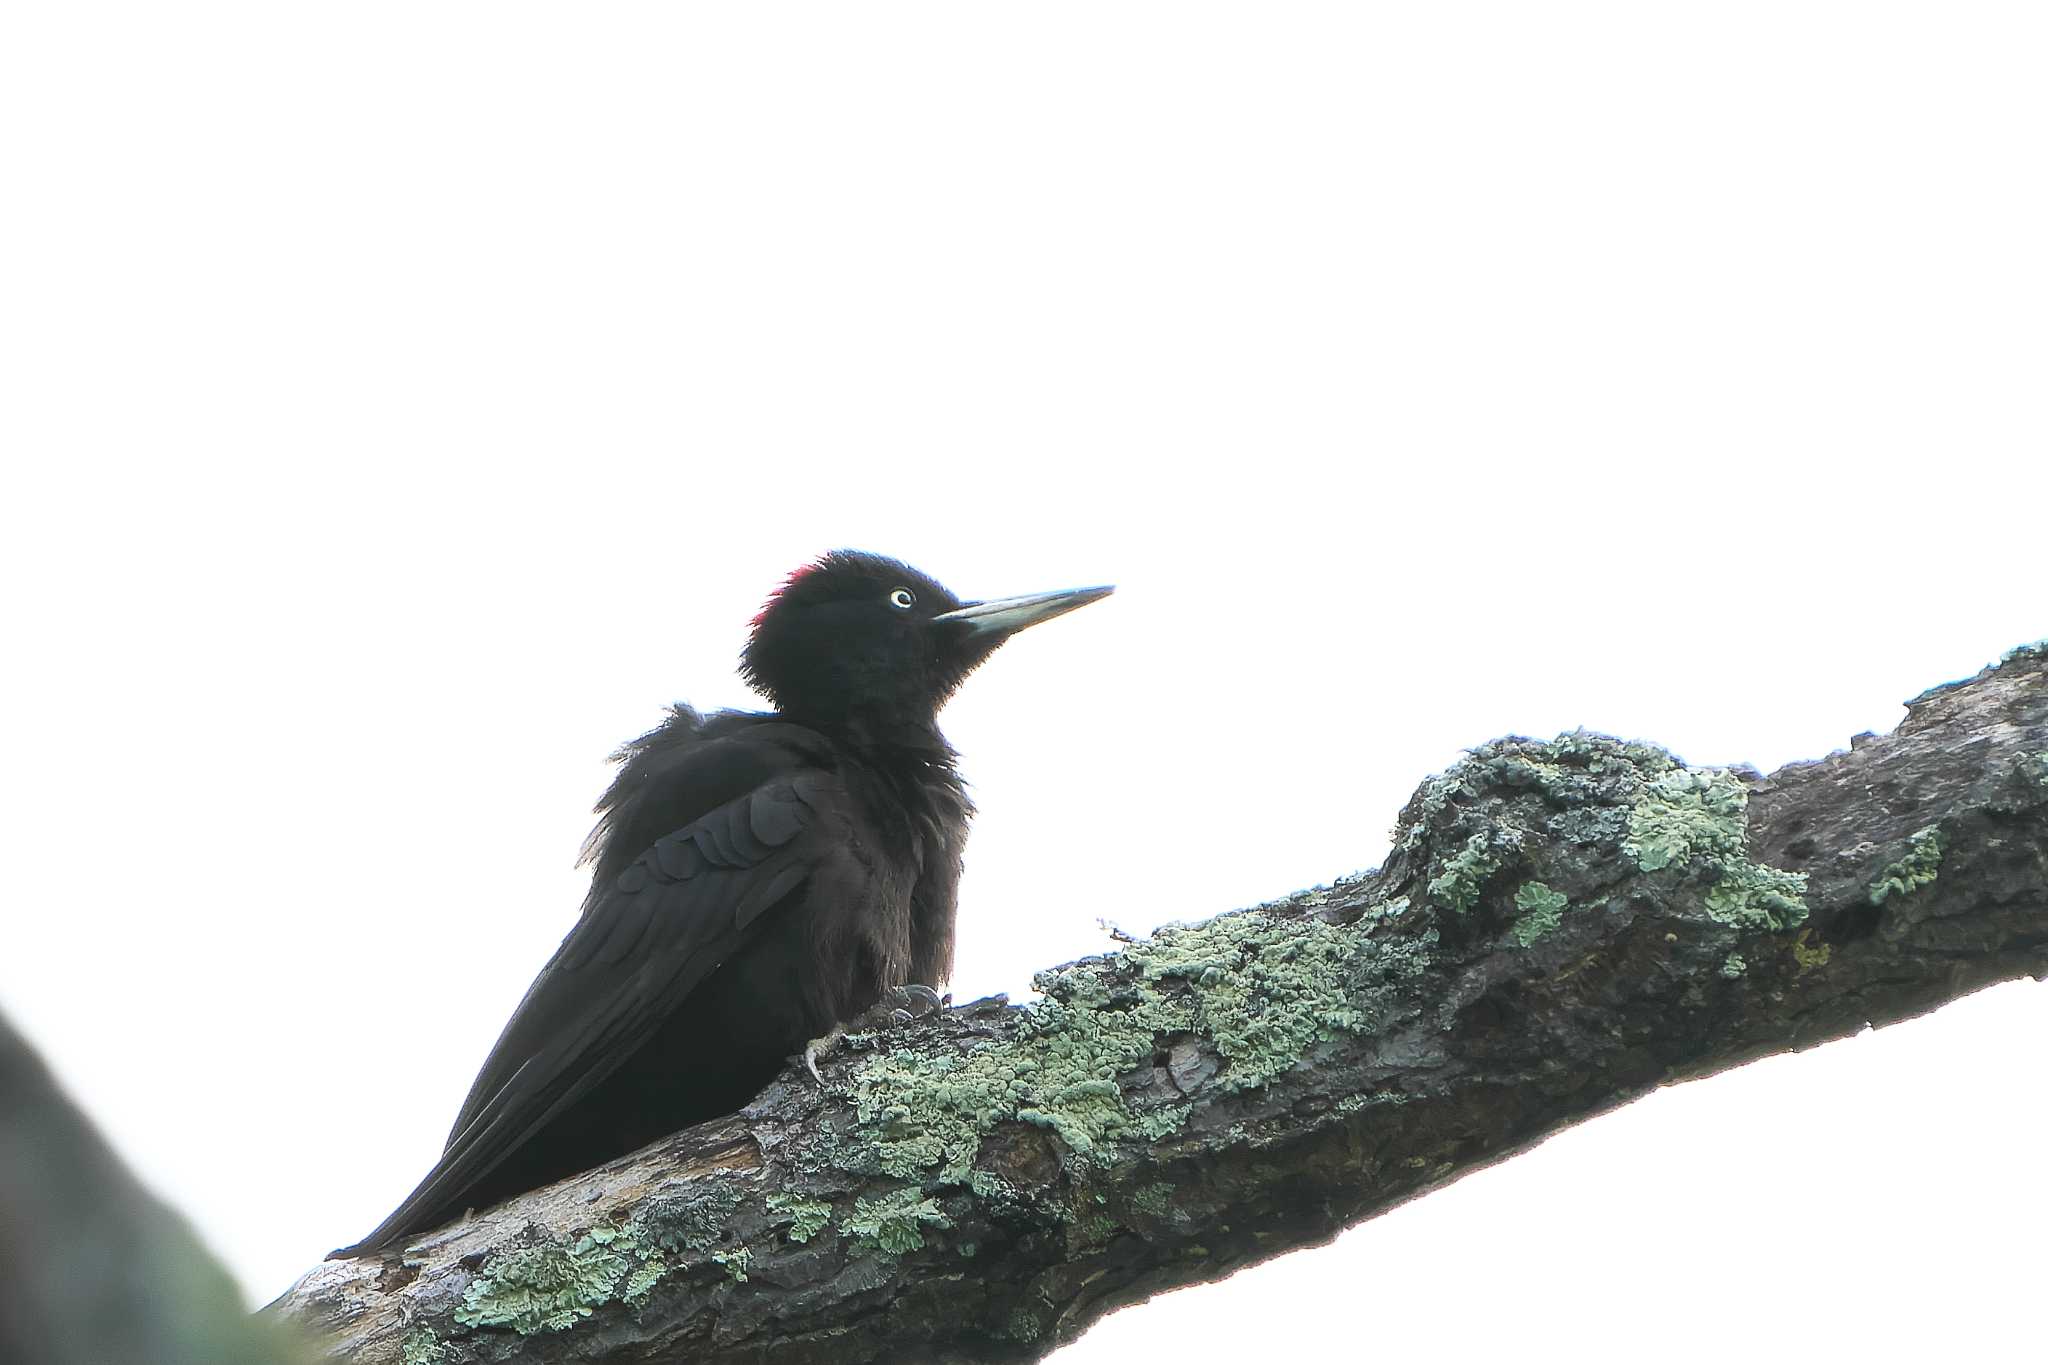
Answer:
(757, 878)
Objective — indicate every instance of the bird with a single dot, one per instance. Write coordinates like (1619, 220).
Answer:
(758, 879)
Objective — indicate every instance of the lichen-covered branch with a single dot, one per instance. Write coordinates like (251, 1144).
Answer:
(1562, 926)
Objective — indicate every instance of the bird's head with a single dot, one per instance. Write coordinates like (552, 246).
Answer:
(861, 637)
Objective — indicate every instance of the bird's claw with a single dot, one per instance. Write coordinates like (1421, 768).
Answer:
(819, 1047)
(898, 1005)
(913, 1001)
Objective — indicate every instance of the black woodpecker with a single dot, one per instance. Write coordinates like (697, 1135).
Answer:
(758, 879)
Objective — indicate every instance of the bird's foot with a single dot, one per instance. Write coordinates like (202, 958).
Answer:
(898, 1005)
(819, 1047)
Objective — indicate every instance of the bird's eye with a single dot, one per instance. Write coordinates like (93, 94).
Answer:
(903, 599)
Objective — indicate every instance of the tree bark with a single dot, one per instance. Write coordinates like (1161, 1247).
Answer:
(1561, 928)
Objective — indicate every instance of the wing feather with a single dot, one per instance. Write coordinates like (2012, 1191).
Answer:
(667, 920)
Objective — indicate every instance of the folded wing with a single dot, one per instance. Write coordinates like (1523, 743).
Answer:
(665, 923)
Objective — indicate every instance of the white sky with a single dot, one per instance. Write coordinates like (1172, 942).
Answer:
(404, 402)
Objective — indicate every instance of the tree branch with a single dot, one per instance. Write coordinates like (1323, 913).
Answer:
(97, 1268)
(1561, 928)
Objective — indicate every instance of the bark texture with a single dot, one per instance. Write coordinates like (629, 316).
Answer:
(1561, 928)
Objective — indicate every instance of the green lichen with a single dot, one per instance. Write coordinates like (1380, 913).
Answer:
(1541, 909)
(1571, 772)
(735, 1263)
(1265, 988)
(551, 1287)
(1161, 1122)
(421, 1347)
(1532, 769)
(1810, 957)
(806, 1217)
(1022, 1326)
(644, 1276)
(691, 1220)
(1082, 1113)
(1916, 869)
(1261, 988)
(1155, 1199)
(1699, 817)
(1590, 825)
(1478, 817)
(548, 1288)
(1602, 755)
(1096, 1228)
(1752, 896)
(894, 1223)
(1685, 815)
(1430, 802)
(988, 1185)
(920, 1110)
(1465, 872)
(1733, 966)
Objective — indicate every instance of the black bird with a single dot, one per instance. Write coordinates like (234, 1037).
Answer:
(759, 878)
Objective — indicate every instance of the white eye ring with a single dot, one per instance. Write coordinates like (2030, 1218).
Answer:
(903, 599)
